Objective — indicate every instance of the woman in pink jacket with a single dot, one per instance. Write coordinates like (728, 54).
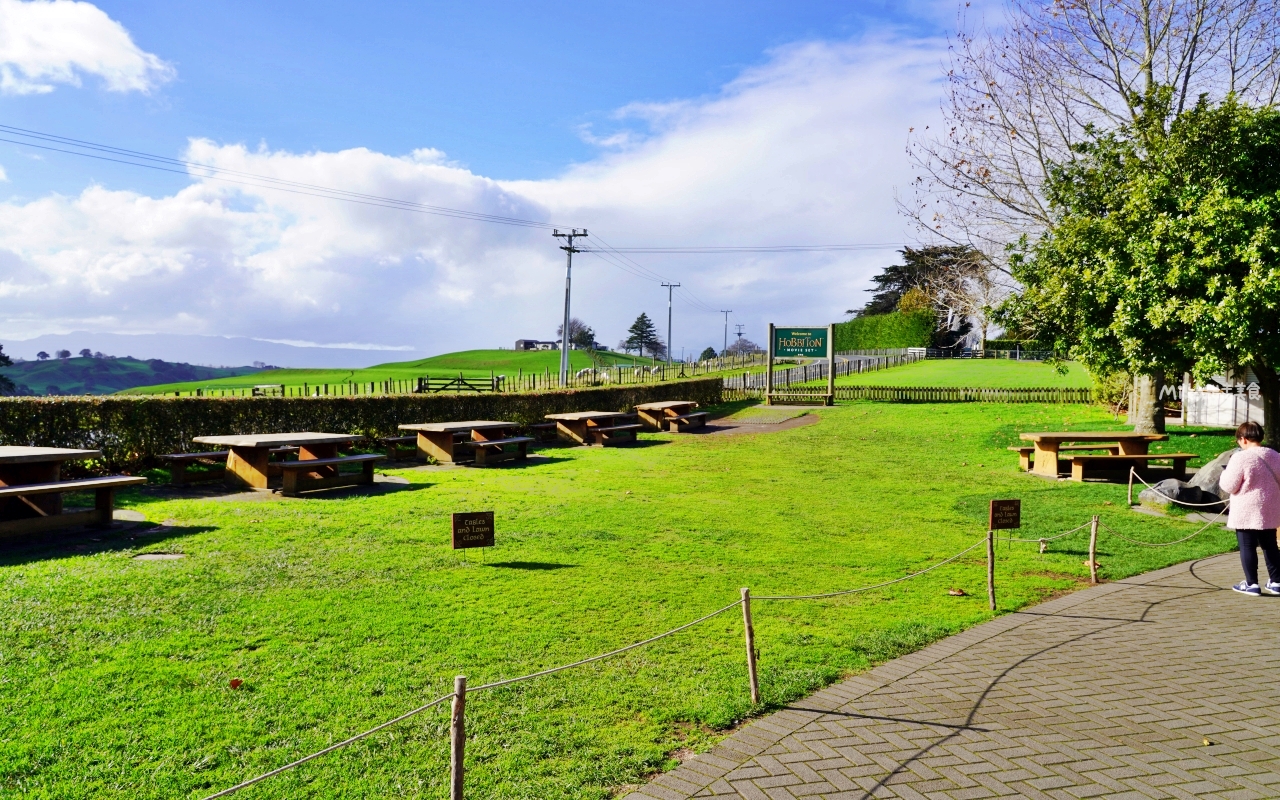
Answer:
(1252, 477)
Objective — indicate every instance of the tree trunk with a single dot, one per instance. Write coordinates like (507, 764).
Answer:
(1146, 407)
(1269, 384)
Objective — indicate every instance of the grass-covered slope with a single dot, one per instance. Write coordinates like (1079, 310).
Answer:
(108, 375)
(975, 372)
(343, 610)
(471, 363)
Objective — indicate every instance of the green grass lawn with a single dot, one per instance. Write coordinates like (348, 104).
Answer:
(339, 611)
(975, 373)
(471, 363)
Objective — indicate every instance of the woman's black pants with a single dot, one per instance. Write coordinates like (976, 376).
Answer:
(1250, 541)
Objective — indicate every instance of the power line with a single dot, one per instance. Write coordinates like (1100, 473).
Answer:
(778, 248)
(192, 169)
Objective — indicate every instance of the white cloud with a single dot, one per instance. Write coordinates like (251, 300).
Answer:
(805, 149)
(47, 42)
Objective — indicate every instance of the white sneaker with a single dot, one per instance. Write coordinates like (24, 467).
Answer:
(1271, 588)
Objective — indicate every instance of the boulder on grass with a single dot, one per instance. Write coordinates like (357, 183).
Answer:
(1171, 490)
(1206, 478)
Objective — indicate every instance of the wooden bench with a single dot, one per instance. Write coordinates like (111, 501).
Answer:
(296, 473)
(685, 422)
(544, 431)
(614, 434)
(1025, 459)
(178, 463)
(1080, 464)
(493, 450)
(103, 504)
(395, 444)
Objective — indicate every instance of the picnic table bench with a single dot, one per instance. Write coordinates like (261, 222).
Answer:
(481, 441)
(31, 490)
(178, 463)
(249, 467)
(672, 415)
(604, 428)
(1125, 449)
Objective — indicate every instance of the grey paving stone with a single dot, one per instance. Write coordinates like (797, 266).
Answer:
(1109, 691)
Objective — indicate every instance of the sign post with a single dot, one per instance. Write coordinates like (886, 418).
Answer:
(802, 342)
(1002, 515)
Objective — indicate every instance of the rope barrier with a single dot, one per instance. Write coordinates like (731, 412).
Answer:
(1044, 538)
(494, 685)
(329, 749)
(735, 604)
(1115, 533)
(873, 586)
(1135, 474)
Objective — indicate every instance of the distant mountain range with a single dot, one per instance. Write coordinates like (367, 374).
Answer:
(61, 376)
(210, 350)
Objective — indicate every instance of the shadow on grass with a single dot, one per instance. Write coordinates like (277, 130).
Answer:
(529, 565)
(87, 541)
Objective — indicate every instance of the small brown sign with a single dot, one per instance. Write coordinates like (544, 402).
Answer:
(474, 529)
(1005, 514)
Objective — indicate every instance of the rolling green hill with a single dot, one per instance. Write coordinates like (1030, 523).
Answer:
(106, 375)
(471, 363)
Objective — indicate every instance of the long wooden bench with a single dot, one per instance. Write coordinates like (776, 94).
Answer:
(395, 444)
(614, 434)
(494, 450)
(178, 463)
(103, 504)
(296, 473)
(1026, 454)
(1080, 464)
(684, 422)
(544, 431)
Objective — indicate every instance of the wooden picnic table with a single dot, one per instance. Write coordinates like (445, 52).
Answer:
(437, 439)
(247, 462)
(660, 413)
(585, 426)
(39, 508)
(1047, 444)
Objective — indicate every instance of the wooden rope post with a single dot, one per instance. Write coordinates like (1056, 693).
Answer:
(457, 737)
(1130, 485)
(991, 569)
(751, 646)
(1093, 550)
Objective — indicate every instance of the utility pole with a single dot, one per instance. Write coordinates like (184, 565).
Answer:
(740, 326)
(569, 250)
(670, 287)
(725, 351)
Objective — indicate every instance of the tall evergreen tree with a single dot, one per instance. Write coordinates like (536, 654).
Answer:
(643, 335)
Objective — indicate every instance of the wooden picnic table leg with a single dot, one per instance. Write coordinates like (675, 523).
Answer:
(1134, 447)
(1046, 459)
(311, 452)
(575, 430)
(437, 445)
(19, 474)
(651, 419)
(104, 503)
(247, 468)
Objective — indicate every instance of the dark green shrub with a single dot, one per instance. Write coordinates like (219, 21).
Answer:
(899, 329)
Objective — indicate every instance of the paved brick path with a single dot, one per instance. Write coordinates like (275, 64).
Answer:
(1108, 692)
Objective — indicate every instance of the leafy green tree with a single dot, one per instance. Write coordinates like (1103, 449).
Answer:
(707, 354)
(580, 334)
(42, 356)
(1164, 255)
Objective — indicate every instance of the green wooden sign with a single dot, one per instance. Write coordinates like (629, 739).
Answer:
(805, 342)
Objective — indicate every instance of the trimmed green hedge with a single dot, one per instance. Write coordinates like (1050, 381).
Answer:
(132, 430)
(898, 329)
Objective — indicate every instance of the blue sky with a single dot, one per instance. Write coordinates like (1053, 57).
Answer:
(518, 94)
